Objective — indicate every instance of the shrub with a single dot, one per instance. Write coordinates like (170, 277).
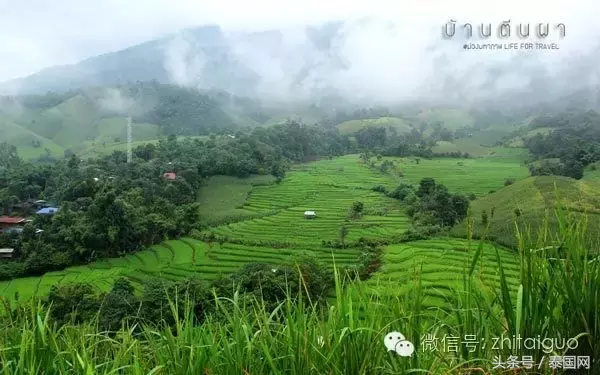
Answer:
(484, 218)
(509, 181)
(401, 191)
(274, 283)
(75, 303)
(369, 261)
(379, 189)
(11, 270)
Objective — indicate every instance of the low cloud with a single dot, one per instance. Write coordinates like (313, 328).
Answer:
(376, 61)
(113, 100)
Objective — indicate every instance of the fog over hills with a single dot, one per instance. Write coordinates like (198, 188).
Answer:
(364, 62)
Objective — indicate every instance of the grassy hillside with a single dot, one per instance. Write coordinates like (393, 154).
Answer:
(536, 198)
(329, 187)
(171, 260)
(349, 336)
(30, 145)
(474, 148)
(69, 122)
(440, 264)
(519, 140)
(224, 197)
(450, 118)
(98, 115)
(592, 173)
(477, 176)
(351, 126)
(260, 220)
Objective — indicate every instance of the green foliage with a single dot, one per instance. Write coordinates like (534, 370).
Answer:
(574, 141)
(379, 189)
(350, 126)
(272, 284)
(343, 233)
(165, 302)
(509, 181)
(109, 207)
(10, 270)
(435, 206)
(484, 218)
(369, 261)
(178, 110)
(118, 305)
(529, 203)
(401, 191)
(492, 293)
(73, 303)
(8, 156)
(357, 209)
(273, 213)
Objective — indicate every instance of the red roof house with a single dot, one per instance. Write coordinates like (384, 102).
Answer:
(8, 222)
(170, 176)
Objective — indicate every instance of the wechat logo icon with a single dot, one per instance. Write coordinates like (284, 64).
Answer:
(396, 342)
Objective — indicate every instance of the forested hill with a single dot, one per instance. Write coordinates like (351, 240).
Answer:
(65, 120)
(563, 143)
(109, 207)
(319, 65)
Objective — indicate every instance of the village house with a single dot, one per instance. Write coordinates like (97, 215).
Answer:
(171, 176)
(47, 211)
(7, 253)
(24, 208)
(12, 224)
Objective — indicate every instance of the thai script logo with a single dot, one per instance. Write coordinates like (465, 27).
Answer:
(504, 30)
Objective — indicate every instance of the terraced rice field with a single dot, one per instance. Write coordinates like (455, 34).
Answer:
(224, 197)
(440, 264)
(171, 260)
(273, 229)
(328, 187)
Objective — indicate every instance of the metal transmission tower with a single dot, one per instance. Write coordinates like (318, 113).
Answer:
(129, 140)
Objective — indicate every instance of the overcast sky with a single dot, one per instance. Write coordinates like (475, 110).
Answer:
(39, 33)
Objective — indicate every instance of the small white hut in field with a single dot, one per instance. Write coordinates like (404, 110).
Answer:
(310, 215)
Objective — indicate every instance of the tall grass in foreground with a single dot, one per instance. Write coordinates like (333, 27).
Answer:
(558, 297)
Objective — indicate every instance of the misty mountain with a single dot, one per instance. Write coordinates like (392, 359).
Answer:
(143, 62)
(364, 63)
(81, 118)
(204, 58)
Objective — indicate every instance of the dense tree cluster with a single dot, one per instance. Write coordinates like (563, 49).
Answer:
(432, 204)
(163, 302)
(109, 207)
(387, 142)
(178, 110)
(358, 114)
(571, 145)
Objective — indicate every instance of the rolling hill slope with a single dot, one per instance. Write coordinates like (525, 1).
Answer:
(29, 144)
(528, 202)
(67, 121)
(450, 118)
(351, 126)
(269, 226)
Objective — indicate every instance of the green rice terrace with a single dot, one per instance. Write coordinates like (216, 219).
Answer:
(440, 264)
(258, 219)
